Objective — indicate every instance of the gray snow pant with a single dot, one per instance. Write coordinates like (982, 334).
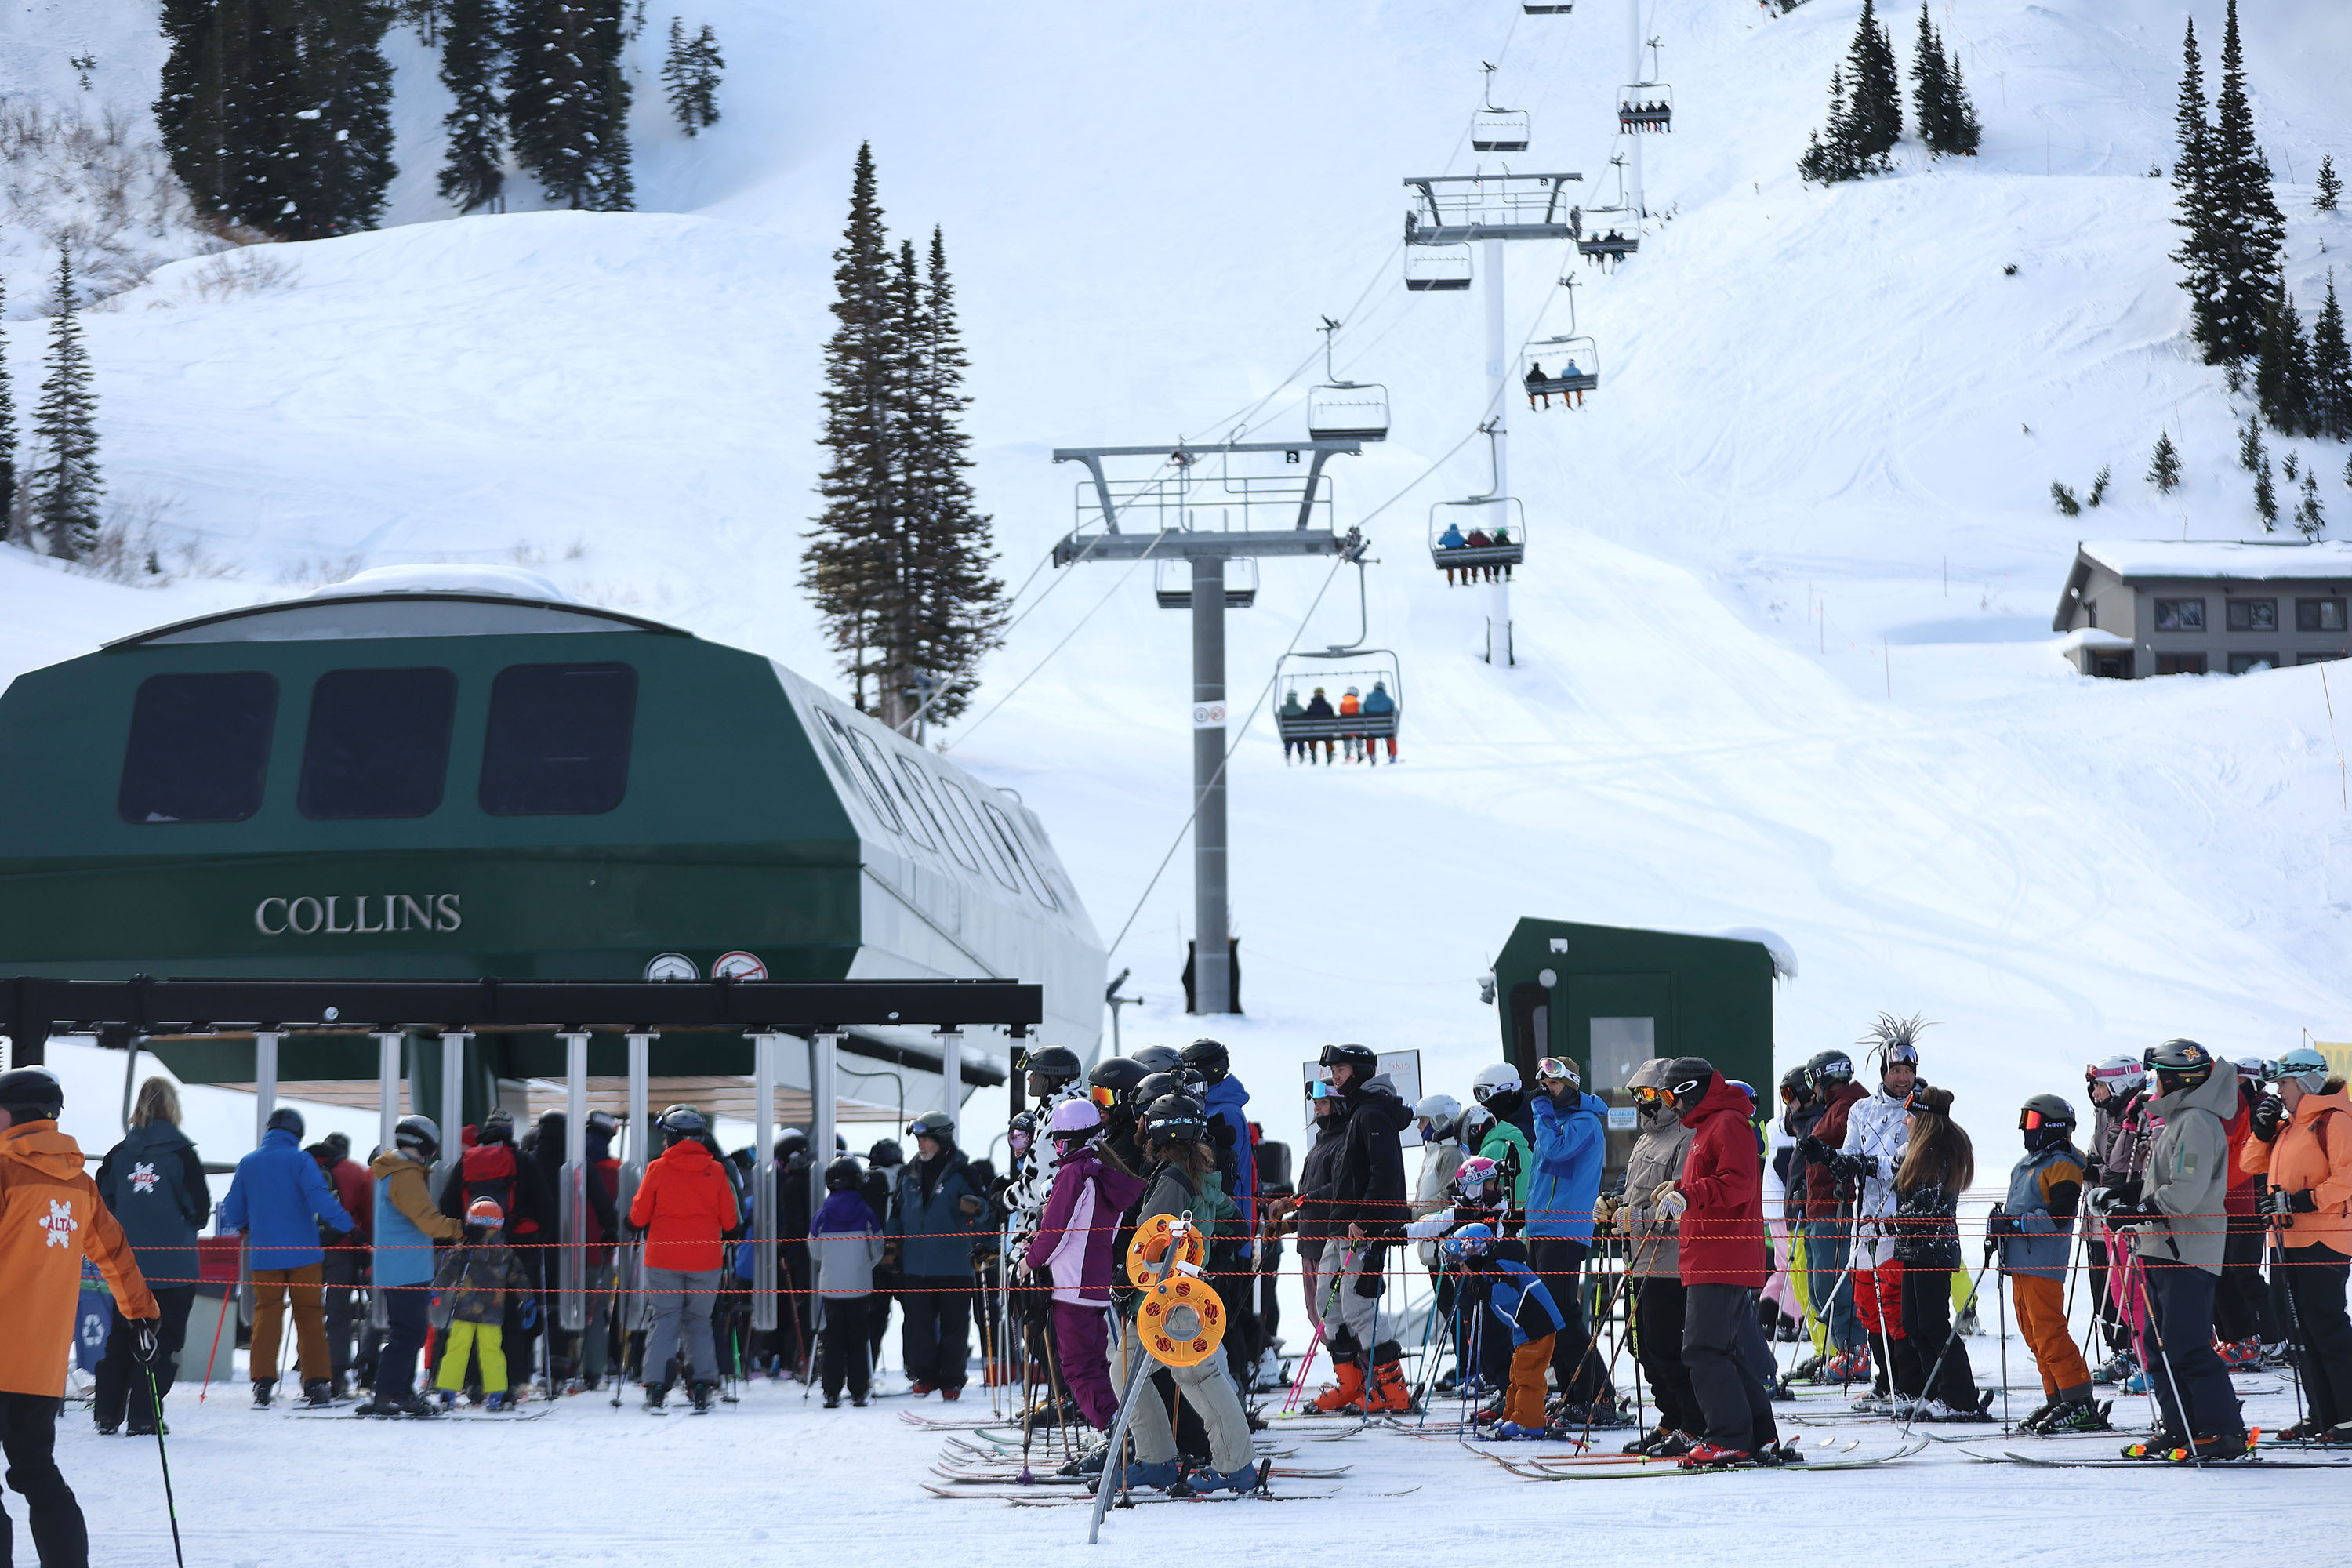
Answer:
(1352, 1322)
(1207, 1387)
(674, 1295)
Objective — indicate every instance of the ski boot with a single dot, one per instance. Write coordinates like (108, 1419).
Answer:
(1161, 1477)
(1347, 1393)
(1807, 1371)
(2077, 1415)
(262, 1394)
(1086, 1464)
(2311, 1432)
(655, 1393)
(1708, 1457)
(857, 1402)
(109, 1429)
(318, 1394)
(1780, 1393)
(2161, 1449)
(448, 1399)
(1512, 1432)
(142, 1428)
(1249, 1478)
(498, 1402)
(698, 1394)
(1390, 1394)
(951, 1394)
(1647, 1441)
(2116, 1368)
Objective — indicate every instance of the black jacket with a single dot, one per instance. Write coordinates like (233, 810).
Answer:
(1367, 1186)
(1316, 1223)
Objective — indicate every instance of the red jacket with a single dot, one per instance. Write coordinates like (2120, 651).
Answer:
(1820, 1187)
(684, 1205)
(355, 1190)
(1722, 1231)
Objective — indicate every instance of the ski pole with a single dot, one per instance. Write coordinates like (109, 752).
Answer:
(2155, 1329)
(1641, 1255)
(163, 1457)
(227, 1306)
(2294, 1313)
(1927, 1389)
(2001, 1301)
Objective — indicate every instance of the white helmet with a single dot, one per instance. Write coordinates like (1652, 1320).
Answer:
(1494, 1081)
(1442, 1112)
(1474, 1123)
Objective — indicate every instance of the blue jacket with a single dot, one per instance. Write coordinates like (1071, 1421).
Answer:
(1569, 1148)
(1516, 1296)
(1224, 1101)
(154, 1184)
(933, 1232)
(280, 1197)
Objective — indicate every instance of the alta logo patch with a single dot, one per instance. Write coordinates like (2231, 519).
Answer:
(60, 1224)
(143, 1178)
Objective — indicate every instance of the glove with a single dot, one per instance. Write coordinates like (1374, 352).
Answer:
(1997, 1224)
(147, 1330)
(1369, 1284)
(2269, 1113)
(2123, 1194)
(1852, 1167)
(970, 1204)
(2304, 1202)
(1812, 1151)
(1605, 1209)
(528, 1315)
(1671, 1203)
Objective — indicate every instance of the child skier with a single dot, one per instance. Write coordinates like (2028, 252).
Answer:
(1072, 1254)
(1495, 1273)
(472, 1286)
(845, 1240)
(2033, 1227)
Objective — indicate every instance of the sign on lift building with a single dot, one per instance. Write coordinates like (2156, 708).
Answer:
(2134, 609)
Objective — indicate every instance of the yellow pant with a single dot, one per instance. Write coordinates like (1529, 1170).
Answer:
(464, 1339)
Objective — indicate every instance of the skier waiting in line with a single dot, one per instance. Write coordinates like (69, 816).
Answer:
(2303, 1142)
(1508, 1141)
(2118, 1091)
(1876, 1132)
(1570, 1141)
(937, 1211)
(685, 1205)
(1938, 1164)
(1514, 1305)
(401, 1270)
(279, 1198)
(1654, 1262)
(845, 1243)
(1072, 1254)
(154, 1185)
(1829, 1229)
(1368, 1198)
(2032, 1230)
(476, 1281)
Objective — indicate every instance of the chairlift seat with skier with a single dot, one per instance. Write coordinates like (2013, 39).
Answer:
(1437, 268)
(1474, 535)
(1310, 689)
(1645, 106)
(1574, 369)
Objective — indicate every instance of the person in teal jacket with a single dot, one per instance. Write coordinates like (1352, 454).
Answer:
(1571, 1135)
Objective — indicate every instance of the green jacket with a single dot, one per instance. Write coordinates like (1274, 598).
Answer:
(1501, 1142)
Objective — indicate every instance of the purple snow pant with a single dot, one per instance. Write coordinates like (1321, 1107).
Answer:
(1082, 1342)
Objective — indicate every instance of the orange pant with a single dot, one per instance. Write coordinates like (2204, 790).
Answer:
(271, 1286)
(2041, 1320)
(1524, 1401)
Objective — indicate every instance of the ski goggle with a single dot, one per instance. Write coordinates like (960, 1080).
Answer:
(2035, 1122)
(1553, 1069)
(1647, 1096)
(1102, 1094)
(1900, 1056)
(1323, 1089)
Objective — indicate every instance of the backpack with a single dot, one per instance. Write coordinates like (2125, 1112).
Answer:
(489, 1172)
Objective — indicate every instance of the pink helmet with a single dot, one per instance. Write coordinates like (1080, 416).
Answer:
(1074, 1117)
(1470, 1177)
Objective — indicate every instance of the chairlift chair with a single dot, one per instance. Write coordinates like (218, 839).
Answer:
(1534, 9)
(1475, 521)
(1496, 130)
(1575, 369)
(1300, 677)
(1645, 106)
(1171, 584)
(1348, 410)
(1443, 268)
(1605, 234)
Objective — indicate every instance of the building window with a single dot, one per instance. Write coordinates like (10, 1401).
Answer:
(558, 740)
(378, 745)
(2180, 664)
(2247, 663)
(2317, 658)
(199, 748)
(2253, 615)
(2319, 614)
(2180, 615)
(2112, 665)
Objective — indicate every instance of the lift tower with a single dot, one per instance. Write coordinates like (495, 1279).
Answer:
(1455, 209)
(1198, 505)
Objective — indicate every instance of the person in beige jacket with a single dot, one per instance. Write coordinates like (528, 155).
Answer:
(1656, 1261)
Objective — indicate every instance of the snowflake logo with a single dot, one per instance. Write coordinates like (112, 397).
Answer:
(143, 1178)
(60, 1224)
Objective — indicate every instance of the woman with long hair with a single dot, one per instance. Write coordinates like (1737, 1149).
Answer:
(154, 1184)
(1931, 1364)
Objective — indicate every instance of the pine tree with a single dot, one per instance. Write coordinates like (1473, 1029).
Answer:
(2267, 498)
(2331, 370)
(64, 484)
(2192, 182)
(472, 54)
(1963, 134)
(846, 567)
(1827, 161)
(2249, 234)
(1876, 113)
(2282, 369)
(1931, 85)
(691, 74)
(2252, 455)
(337, 162)
(2164, 469)
(2330, 187)
(7, 431)
(2310, 517)
(568, 100)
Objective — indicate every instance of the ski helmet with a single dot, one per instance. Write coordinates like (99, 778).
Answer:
(1210, 1059)
(1688, 1079)
(603, 1125)
(1500, 1079)
(843, 1175)
(792, 1141)
(1560, 1069)
(486, 1213)
(1474, 1175)
(2046, 1120)
(2120, 1076)
(1745, 1088)
(1058, 1063)
(1113, 1077)
(1477, 1122)
(1795, 1086)
(1473, 1240)
(2179, 1065)
(936, 1124)
(1363, 1058)
(1825, 1069)
(1175, 1118)
(2306, 1067)
(1442, 1112)
(286, 1119)
(886, 1153)
(677, 1123)
(417, 1132)
(1151, 1087)
(1156, 1058)
(1075, 1119)
(33, 1094)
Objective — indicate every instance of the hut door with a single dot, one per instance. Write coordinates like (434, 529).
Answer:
(1617, 1022)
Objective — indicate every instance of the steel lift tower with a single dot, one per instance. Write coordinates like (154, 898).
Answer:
(1196, 507)
(1455, 209)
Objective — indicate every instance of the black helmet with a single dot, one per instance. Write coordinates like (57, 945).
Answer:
(1824, 1069)
(2046, 1120)
(498, 1127)
(792, 1141)
(1363, 1058)
(551, 1125)
(843, 1175)
(1687, 1079)
(285, 1119)
(1156, 1058)
(936, 1124)
(2179, 1065)
(1210, 1059)
(1175, 1118)
(1116, 1074)
(1794, 1085)
(1058, 1062)
(677, 1122)
(885, 1152)
(33, 1094)
(418, 1132)
(1149, 1092)
(603, 1125)
(338, 1145)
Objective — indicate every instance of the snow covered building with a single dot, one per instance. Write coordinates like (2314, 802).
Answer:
(2140, 607)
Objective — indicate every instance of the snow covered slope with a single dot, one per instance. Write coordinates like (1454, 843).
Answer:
(1783, 630)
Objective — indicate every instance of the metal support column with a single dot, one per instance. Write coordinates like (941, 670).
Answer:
(950, 1075)
(1634, 73)
(1499, 394)
(265, 1100)
(1212, 990)
(571, 1256)
(387, 1087)
(822, 1047)
(763, 1181)
(453, 1105)
(629, 1261)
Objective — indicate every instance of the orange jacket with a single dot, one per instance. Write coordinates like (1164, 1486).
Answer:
(2313, 1151)
(1349, 707)
(50, 1216)
(684, 1204)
